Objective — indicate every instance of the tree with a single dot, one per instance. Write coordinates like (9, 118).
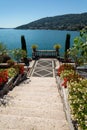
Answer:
(67, 45)
(79, 50)
(23, 43)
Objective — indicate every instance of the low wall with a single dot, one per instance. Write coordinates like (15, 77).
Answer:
(64, 96)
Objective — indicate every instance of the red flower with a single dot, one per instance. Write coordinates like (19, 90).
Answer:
(3, 76)
(60, 69)
(21, 69)
(1, 80)
(65, 83)
(64, 67)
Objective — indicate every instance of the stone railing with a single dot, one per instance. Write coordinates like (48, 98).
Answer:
(45, 54)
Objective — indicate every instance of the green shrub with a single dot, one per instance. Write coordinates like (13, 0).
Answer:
(12, 72)
(5, 58)
(10, 62)
(78, 102)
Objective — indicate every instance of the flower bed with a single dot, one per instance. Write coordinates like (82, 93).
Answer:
(75, 88)
(3, 77)
(11, 77)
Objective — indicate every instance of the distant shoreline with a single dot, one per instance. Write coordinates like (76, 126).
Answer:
(40, 29)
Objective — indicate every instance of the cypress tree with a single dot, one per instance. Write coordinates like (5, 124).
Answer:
(67, 45)
(23, 44)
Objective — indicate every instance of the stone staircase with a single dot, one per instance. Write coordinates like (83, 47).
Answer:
(34, 105)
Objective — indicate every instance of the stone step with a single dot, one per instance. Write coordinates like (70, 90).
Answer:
(12, 129)
(36, 90)
(33, 104)
(33, 86)
(35, 112)
(31, 123)
(38, 96)
(36, 87)
(43, 81)
(41, 88)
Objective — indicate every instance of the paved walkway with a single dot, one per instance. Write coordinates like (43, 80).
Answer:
(34, 105)
(44, 68)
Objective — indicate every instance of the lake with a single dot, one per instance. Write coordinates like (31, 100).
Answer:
(45, 39)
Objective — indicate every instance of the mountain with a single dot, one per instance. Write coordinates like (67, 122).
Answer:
(61, 22)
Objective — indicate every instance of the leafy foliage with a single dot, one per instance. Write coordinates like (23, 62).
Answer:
(65, 67)
(18, 54)
(12, 72)
(79, 50)
(78, 102)
(3, 51)
(2, 48)
(10, 62)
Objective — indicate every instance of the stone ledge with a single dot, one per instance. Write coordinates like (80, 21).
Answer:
(64, 96)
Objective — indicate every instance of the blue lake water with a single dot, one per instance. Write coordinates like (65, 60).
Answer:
(45, 39)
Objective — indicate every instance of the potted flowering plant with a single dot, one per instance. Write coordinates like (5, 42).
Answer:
(57, 47)
(34, 47)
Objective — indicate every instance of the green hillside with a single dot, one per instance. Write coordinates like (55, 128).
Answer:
(61, 22)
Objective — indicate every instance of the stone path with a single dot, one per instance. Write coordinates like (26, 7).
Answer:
(34, 105)
(43, 68)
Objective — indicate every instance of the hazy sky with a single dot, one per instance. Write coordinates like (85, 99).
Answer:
(14, 13)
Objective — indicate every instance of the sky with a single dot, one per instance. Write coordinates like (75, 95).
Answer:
(14, 13)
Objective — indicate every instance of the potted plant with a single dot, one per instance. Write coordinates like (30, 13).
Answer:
(34, 47)
(57, 47)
